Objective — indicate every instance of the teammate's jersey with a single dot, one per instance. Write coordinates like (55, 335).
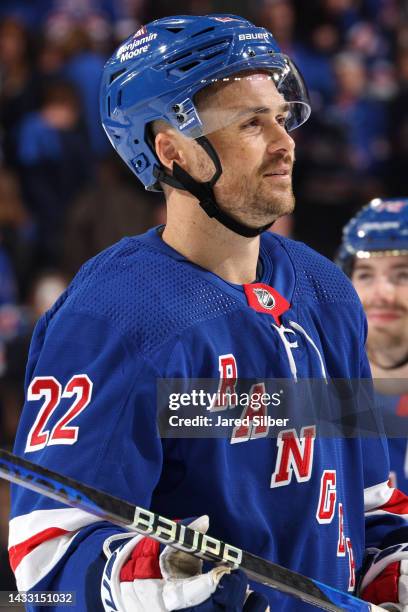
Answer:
(395, 411)
(140, 311)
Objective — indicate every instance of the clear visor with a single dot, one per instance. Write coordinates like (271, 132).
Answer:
(273, 89)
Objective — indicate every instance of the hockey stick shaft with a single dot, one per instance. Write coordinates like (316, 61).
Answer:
(133, 518)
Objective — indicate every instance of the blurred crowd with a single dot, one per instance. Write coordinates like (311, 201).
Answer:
(64, 196)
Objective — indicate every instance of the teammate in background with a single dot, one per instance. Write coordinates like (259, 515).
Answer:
(202, 108)
(374, 253)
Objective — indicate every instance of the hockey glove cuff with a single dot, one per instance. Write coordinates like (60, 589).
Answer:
(140, 576)
(386, 581)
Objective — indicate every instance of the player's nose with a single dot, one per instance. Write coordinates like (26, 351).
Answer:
(384, 290)
(279, 139)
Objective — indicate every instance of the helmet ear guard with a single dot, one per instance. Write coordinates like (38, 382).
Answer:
(158, 71)
(379, 229)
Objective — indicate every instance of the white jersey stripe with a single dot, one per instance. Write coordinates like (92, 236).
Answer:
(402, 517)
(36, 564)
(27, 525)
(377, 496)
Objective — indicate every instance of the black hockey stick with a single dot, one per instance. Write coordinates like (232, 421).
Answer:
(133, 518)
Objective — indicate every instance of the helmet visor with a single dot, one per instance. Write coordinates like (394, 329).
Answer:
(274, 86)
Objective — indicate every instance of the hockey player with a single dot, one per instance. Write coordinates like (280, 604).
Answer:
(374, 253)
(202, 108)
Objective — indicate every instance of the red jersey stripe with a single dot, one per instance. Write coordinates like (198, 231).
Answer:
(397, 504)
(19, 551)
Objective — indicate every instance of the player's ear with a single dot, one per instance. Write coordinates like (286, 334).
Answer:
(169, 149)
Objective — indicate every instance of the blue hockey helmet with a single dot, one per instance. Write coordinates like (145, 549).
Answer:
(378, 229)
(156, 74)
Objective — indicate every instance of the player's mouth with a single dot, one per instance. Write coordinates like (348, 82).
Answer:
(284, 172)
(384, 316)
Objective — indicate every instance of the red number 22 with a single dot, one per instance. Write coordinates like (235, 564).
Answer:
(49, 388)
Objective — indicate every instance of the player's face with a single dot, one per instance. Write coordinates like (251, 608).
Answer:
(382, 285)
(255, 151)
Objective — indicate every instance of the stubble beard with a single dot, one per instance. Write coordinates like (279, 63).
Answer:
(259, 207)
(237, 197)
(271, 206)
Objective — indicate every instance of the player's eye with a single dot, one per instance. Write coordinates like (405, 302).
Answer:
(284, 120)
(363, 276)
(251, 123)
(401, 277)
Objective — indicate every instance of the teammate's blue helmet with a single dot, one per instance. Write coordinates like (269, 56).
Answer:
(380, 228)
(156, 73)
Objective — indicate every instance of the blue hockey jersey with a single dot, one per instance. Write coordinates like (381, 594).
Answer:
(395, 412)
(139, 312)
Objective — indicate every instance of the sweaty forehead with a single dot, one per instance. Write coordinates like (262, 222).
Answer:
(241, 91)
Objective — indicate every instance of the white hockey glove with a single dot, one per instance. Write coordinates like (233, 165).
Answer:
(385, 583)
(138, 578)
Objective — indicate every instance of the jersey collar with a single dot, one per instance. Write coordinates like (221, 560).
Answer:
(277, 268)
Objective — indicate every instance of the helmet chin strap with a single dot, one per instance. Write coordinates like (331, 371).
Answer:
(205, 194)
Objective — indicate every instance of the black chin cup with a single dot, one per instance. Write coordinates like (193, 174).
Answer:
(204, 192)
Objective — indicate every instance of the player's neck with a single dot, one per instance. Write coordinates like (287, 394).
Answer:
(207, 243)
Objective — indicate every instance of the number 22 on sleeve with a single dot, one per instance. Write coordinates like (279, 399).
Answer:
(48, 388)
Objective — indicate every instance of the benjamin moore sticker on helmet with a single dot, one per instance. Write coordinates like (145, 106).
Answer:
(136, 47)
